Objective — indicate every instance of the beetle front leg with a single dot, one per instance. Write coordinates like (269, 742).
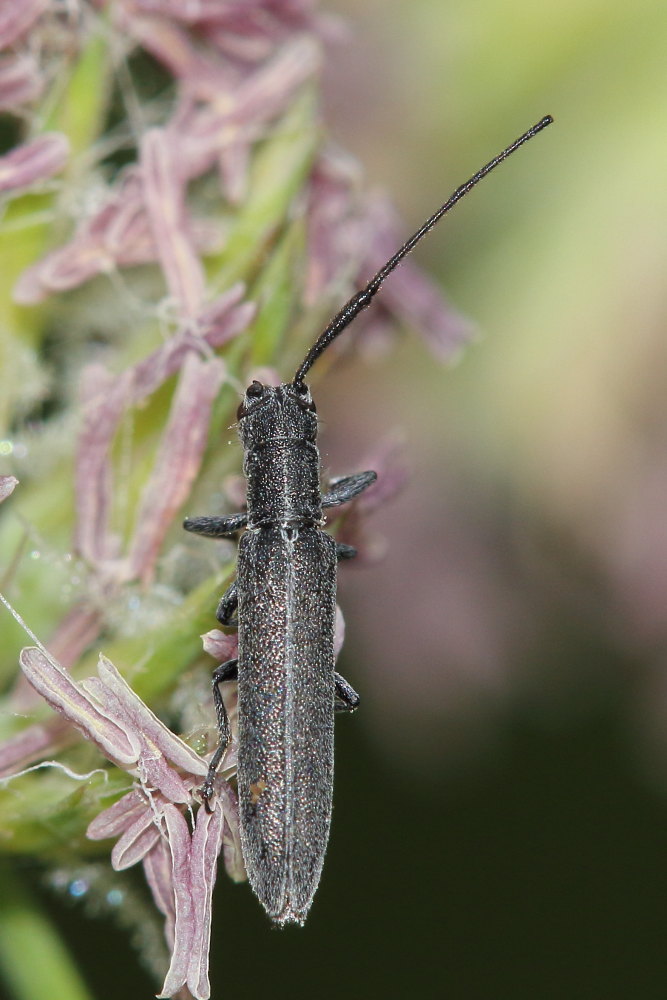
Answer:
(227, 671)
(346, 698)
(347, 488)
(216, 527)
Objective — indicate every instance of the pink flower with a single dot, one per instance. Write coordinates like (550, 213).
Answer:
(153, 822)
(106, 399)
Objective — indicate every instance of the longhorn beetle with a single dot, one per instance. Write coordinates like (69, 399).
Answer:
(284, 597)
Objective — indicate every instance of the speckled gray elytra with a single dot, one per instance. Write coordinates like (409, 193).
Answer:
(285, 599)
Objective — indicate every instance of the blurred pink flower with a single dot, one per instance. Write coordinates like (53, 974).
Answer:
(106, 398)
(7, 486)
(408, 296)
(352, 241)
(388, 461)
(17, 18)
(33, 161)
(20, 81)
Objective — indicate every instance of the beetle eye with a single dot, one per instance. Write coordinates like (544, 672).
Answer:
(255, 389)
(301, 388)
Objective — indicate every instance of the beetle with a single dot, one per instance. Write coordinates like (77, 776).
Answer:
(283, 601)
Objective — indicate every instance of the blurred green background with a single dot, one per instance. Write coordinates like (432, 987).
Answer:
(501, 797)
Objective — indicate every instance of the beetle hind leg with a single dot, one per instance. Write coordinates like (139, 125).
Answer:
(344, 551)
(346, 698)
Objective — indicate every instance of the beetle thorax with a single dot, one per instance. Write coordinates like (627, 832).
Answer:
(278, 429)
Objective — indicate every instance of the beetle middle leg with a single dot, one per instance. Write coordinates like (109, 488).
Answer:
(227, 671)
(228, 605)
(344, 551)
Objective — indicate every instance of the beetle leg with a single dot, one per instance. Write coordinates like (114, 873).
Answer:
(216, 527)
(346, 698)
(227, 671)
(347, 488)
(344, 551)
(228, 605)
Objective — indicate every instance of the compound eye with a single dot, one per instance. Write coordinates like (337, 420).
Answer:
(301, 389)
(255, 389)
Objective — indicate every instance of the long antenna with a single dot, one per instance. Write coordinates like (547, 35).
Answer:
(364, 297)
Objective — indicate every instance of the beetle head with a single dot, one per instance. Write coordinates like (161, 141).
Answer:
(284, 411)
